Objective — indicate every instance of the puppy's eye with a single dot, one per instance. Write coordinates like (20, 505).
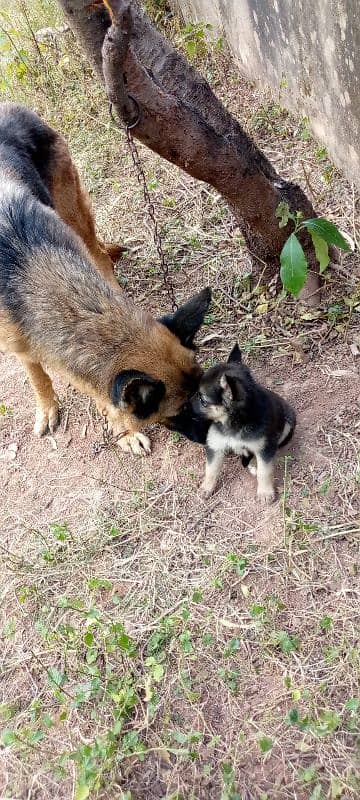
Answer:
(203, 401)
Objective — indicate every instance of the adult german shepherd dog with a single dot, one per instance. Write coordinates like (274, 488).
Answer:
(60, 304)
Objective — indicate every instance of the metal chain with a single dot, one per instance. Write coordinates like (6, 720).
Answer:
(98, 446)
(105, 428)
(168, 284)
(141, 178)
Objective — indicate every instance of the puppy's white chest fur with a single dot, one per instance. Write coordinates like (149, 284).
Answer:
(235, 443)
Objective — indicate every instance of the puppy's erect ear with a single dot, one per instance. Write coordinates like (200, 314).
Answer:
(235, 354)
(137, 393)
(186, 321)
(232, 388)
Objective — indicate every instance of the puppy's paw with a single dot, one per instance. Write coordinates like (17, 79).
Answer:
(252, 467)
(47, 419)
(206, 490)
(266, 495)
(136, 443)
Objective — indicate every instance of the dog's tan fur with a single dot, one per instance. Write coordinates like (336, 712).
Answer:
(72, 203)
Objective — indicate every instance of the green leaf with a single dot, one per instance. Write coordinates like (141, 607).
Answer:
(257, 610)
(283, 213)
(232, 647)
(353, 704)
(8, 738)
(294, 266)
(326, 724)
(316, 793)
(307, 774)
(55, 677)
(336, 787)
(191, 49)
(36, 736)
(60, 531)
(240, 563)
(326, 623)
(185, 641)
(100, 583)
(7, 711)
(321, 251)
(207, 639)
(158, 672)
(47, 720)
(82, 792)
(179, 737)
(126, 644)
(227, 771)
(92, 655)
(294, 716)
(265, 744)
(328, 231)
(286, 642)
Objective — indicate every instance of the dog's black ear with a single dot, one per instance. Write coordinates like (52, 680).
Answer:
(232, 388)
(235, 354)
(186, 321)
(136, 392)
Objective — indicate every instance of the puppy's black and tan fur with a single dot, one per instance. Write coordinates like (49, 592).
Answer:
(60, 304)
(233, 413)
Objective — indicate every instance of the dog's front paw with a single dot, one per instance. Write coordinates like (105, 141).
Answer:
(136, 443)
(252, 467)
(266, 495)
(47, 418)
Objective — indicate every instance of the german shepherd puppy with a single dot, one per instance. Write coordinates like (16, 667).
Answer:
(60, 304)
(233, 413)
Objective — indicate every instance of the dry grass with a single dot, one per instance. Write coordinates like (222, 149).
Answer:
(154, 646)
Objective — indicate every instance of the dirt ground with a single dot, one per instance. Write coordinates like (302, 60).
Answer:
(233, 671)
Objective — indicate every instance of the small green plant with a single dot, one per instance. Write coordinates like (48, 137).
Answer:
(304, 130)
(230, 678)
(321, 153)
(265, 744)
(284, 641)
(326, 623)
(294, 264)
(229, 789)
(193, 37)
(239, 564)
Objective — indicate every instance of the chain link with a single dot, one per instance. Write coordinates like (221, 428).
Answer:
(141, 178)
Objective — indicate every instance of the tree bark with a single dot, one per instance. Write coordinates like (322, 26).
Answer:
(183, 121)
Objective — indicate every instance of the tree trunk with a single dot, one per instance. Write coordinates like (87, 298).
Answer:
(183, 121)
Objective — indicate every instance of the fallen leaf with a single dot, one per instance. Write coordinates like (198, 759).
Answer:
(228, 624)
(210, 337)
(262, 308)
(84, 431)
(10, 453)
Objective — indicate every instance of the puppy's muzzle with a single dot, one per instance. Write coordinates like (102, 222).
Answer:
(190, 423)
